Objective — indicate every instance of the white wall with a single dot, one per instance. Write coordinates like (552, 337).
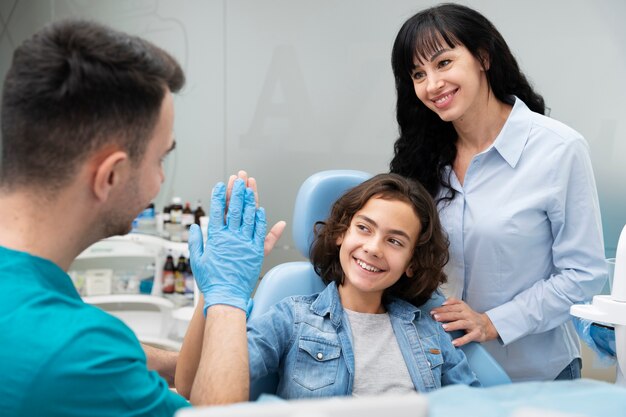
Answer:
(285, 88)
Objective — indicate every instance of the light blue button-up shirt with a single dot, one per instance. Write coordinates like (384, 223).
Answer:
(526, 241)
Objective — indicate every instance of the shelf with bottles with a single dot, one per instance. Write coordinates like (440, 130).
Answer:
(133, 265)
(173, 222)
(177, 282)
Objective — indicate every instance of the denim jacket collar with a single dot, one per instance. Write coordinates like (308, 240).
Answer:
(403, 309)
(328, 302)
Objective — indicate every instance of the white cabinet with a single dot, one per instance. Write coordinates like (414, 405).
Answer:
(111, 273)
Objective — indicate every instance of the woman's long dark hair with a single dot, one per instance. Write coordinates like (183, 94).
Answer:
(427, 144)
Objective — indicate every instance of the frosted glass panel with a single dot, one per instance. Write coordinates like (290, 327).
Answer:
(285, 88)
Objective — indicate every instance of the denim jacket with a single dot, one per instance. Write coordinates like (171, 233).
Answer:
(306, 340)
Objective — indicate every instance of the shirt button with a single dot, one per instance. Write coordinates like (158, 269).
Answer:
(428, 362)
(320, 356)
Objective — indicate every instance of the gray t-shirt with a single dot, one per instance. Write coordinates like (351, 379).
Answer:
(378, 362)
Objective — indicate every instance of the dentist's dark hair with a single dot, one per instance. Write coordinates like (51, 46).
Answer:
(430, 253)
(73, 88)
(426, 144)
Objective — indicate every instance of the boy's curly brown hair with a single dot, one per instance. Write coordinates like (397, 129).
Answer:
(430, 253)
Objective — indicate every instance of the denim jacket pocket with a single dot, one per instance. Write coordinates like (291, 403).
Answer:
(317, 362)
(434, 356)
(433, 351)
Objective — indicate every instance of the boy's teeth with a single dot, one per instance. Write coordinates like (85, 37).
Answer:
(367, 266)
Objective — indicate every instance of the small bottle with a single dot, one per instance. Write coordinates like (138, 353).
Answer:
(168, 275)
(174, 228)
(179, 275)
(166, 214)
(199, 212)
(149, 211)
(145, 221)
(145, 280)
(190, 283)
(188, 216)
(176, 211)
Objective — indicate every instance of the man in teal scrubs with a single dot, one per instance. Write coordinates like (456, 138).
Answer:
(87, 119)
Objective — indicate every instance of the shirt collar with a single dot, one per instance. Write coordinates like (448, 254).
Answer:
(328, 302)
(403, 309)
(512, 139)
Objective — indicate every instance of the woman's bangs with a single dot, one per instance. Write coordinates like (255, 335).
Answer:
(429, 39)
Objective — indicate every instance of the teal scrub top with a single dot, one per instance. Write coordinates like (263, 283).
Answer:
(62, 357)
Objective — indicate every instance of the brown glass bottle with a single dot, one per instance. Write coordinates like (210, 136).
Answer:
(189, 282)
(179, 275)
(199, 212)
(188, 217)
(168, 275)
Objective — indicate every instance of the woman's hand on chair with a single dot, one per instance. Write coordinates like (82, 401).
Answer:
(457, 315)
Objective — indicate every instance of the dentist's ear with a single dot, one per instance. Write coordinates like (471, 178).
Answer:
(108, 173)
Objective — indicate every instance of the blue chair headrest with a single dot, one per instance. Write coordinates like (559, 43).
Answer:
(315, 198)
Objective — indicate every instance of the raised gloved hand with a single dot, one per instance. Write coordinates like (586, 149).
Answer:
(227, 268)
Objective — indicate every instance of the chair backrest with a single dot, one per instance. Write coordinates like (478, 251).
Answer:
(313, 203)
(316, 196)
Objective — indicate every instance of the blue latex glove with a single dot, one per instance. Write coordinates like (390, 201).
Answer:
(228, 267)
(600, 339)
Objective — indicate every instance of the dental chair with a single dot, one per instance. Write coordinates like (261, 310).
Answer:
(313, 203)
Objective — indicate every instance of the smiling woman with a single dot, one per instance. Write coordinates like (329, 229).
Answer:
(525, 233)
(451, 84)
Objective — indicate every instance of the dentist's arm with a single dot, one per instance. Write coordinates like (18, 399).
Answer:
(226, 271)
(161, 360)
(223, 372)
(191, 351)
